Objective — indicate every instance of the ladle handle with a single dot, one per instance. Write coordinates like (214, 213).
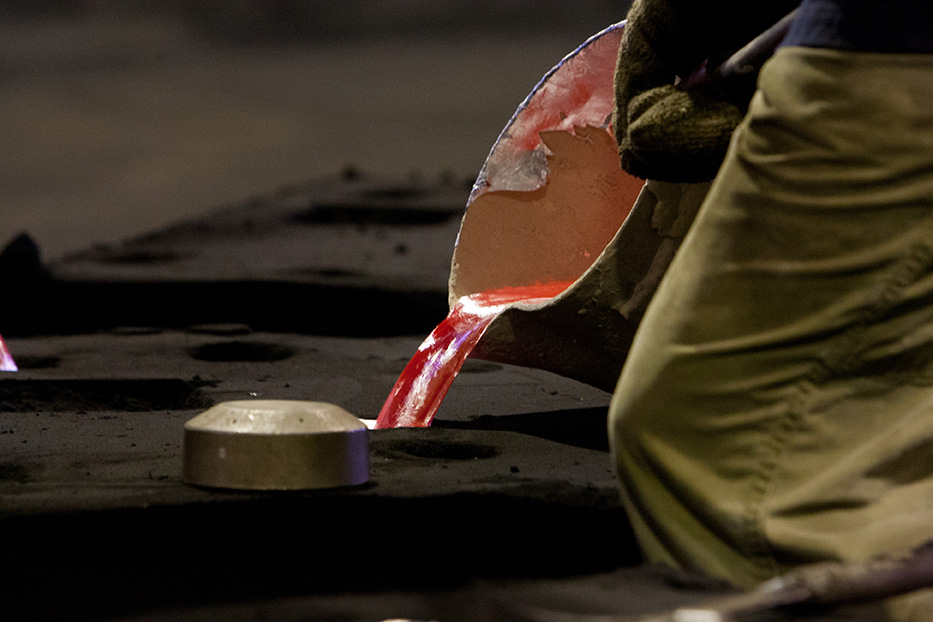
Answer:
(737, 75)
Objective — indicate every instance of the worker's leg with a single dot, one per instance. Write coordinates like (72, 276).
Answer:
(777, 405)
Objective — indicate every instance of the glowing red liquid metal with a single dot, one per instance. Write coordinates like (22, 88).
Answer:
(421, 387)
(6, 359)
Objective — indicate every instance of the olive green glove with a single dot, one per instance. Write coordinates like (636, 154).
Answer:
(666, 133)
(673, 135)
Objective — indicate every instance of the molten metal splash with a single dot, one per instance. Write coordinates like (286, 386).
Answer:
(421, 387)
(6, 359)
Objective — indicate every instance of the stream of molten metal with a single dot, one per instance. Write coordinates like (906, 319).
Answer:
(424, 382)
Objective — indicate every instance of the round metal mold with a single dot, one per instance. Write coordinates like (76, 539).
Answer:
(275, 445)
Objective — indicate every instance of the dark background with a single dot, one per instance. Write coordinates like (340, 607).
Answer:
(120, 116)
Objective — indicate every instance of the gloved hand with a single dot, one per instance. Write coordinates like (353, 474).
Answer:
(674, 135)
(666, 133)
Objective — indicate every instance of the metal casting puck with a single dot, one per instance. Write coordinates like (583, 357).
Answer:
(275, 445)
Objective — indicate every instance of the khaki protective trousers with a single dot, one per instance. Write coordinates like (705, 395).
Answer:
(777, 406)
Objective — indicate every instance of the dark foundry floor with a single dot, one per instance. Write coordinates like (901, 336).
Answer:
(507, 502)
